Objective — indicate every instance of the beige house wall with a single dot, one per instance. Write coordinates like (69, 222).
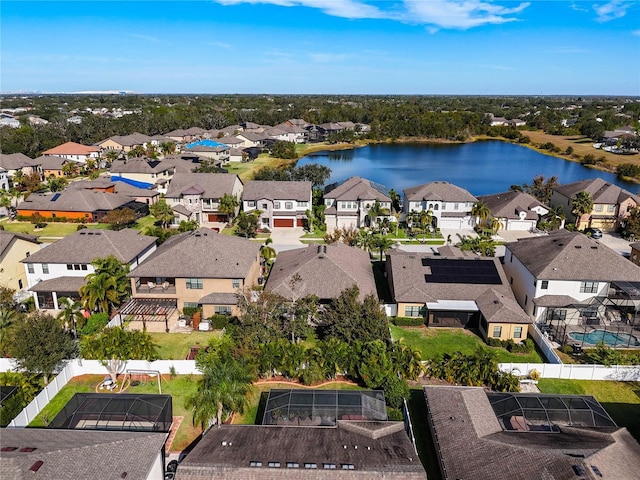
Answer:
(401, 307)
(111, 145)
(12, 271)
(508, 331)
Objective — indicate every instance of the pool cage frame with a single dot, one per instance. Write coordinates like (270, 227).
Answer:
(617, 313)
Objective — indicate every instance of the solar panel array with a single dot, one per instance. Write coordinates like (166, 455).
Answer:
(475, 272)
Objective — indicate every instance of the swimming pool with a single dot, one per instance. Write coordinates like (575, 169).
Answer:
(612, 339)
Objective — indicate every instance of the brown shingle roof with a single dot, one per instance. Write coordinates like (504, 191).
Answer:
(442, 191)
(508, 204)
(86, 245)
(277, 190)
(202, 253)
(53, 162)
(213, 185)
(324, 270)
(600, 191)
(75, 201)
(60, 284)
(356, 188)
(7, 237)
(140, 165)
(564, 255)
(16, 161)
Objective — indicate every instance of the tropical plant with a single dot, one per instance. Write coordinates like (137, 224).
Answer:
(116, 270)
(162, 212)
(481, 212)
(494, 224)
(482, 244)
(581, 204)
(541, 188)
(71, 314)
(114, 346)
(267, 251)
(188, 226)
(396, 201)
(99, 293)
(228, 206)
(247, 224)
(556, 217)
(381, 243)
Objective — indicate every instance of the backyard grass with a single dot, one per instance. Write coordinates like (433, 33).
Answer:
(53, 230)
(434, 342)
(145, 222)
(620, 399)
(176, 346)
(178, 387)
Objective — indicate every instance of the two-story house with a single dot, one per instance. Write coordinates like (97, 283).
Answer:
(348, 203)
(202, 268)
(53, 166)
(126, 143)
(449, 204)
(19, 162)
(73, 151)
(611, 203)
(13, 248)
(59, 269)
(216, 151)
(281, 203)
(196, 196)
(515, 210)
(572, 281)
(147, 171)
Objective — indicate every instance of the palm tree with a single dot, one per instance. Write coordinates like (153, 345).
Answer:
(99, 293)
(228, 205)
(71, 314)
(381, 243)
(481, 212)
(581, 204)
(557, 217)
(268, 252)
(425, 219)
(396, 201)
(223, 388)
(494, 224)
(162, 212)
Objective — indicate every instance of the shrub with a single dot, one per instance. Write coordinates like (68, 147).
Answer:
(218, 322)
(80, 227)
(566, 348)
(408, 321)
(95, 323)
(394, 414)
(395, 390)
(534, 375)
(190, 311)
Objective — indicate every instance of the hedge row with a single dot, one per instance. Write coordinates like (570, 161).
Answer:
(408, 321)
(524, 347)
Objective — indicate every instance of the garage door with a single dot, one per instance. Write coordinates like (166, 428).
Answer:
(450, 223)
(301, 222)
(214, 217)
(283, 222)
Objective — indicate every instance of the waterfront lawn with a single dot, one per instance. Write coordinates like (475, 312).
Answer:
(620, 399)
(179, 387)
(435, 342)
(176, 346)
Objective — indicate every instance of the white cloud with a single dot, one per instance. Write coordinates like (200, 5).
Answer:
(460, 14)
(337, 8)
(328, 57)
(611, 10)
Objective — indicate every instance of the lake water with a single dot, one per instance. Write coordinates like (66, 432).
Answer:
(481, 167)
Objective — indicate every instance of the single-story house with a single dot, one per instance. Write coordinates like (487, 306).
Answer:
(515, 210)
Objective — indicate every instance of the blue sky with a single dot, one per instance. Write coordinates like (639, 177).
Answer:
(484, 47)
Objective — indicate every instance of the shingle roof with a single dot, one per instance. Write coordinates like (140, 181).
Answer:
(356, 188)
(79, 454)
(600, 191)
(508, 204)
(213, 185)
(86, 245)
(7, 237)
(52, 162)
(219, 298)
(16, 161)
(59, 284)
(71, 200)
(202, 253)
(472, 444)
(226, 452)
(71, 148)
(564, 255)
(129, 140)
(139, 165)
(324, 270)
(123, 188)
(277, 190)
(441, 191)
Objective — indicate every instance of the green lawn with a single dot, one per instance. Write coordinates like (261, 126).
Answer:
(145, 222)
(52, 230)
(620, 399)
(176, 346)
(178, 387)
(433, 342)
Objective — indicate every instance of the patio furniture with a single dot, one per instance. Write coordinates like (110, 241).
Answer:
(165, 285)
(151, 285)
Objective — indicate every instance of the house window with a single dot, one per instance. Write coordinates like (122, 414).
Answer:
(611, 208)
(226, 310)
(274, 464)
(45, 268)
(288, 205)
(194, 283)
(251, 203)
(293, 465)
(497, 331)
(83, 267)
(235, 283)
(589, 287)
(303, 204)
(517, 332)
(77, 267)
(598, 208)
(455, 206)
(20, 284)
(347, 466)
(557, 314)
(253, 463)
(69, 266)
(276, 205)
(413, 311)
(27, 254)
(190, 305)
(265, 206)
(30, 268)
(544, 284)
(329, 466)
(310, 465)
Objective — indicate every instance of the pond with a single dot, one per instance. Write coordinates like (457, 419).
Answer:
(482, 167)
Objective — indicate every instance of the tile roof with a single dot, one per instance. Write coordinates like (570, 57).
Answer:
(226, 452)
(324, 270)
(7, 237)
(74, 454)
(600, 191)
(86, 245)
(509, 204)
(473, 445)
(356, 188)
(565, 255)
(16, 161)
(71, 200)
(438, 191)
(277, 190)
(71, 148)
(213, 185)
(202, 253)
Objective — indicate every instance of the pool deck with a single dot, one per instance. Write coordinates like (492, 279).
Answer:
(586, 330)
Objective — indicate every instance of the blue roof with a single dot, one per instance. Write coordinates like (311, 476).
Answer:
(206, 143)
(135, 183)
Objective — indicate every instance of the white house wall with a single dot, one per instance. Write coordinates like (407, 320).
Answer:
(521, 280)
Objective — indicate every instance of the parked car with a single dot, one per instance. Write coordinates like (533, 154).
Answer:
(593, 232)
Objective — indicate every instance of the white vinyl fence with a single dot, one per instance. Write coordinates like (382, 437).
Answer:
(622, 373)
(545, 345)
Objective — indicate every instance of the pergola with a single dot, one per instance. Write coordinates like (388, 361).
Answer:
(150, 310)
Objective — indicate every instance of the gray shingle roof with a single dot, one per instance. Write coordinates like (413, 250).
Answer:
(52, 162)
(219, 298)
(356, 188)
(202, 253)
(60, 284)
(86, 245)
(213, 185)
(120, 187)
(129, 140)
(472, 444)
(440, 191)
(71, 200)
(600, 190)
(226, 452)
(325, 271)
(564, 255)
(140, 165)
(508, 204)
(7, 237)
(79, 454)
(16, 161)
(277, 190)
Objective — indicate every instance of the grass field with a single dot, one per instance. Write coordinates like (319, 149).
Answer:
(51, 231)
(620, 399)
(176, 346)
(434, 342)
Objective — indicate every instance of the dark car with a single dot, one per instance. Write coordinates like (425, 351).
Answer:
(593, 232)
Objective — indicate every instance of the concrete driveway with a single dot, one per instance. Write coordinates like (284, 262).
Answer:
(287, 238)
(616, 242)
